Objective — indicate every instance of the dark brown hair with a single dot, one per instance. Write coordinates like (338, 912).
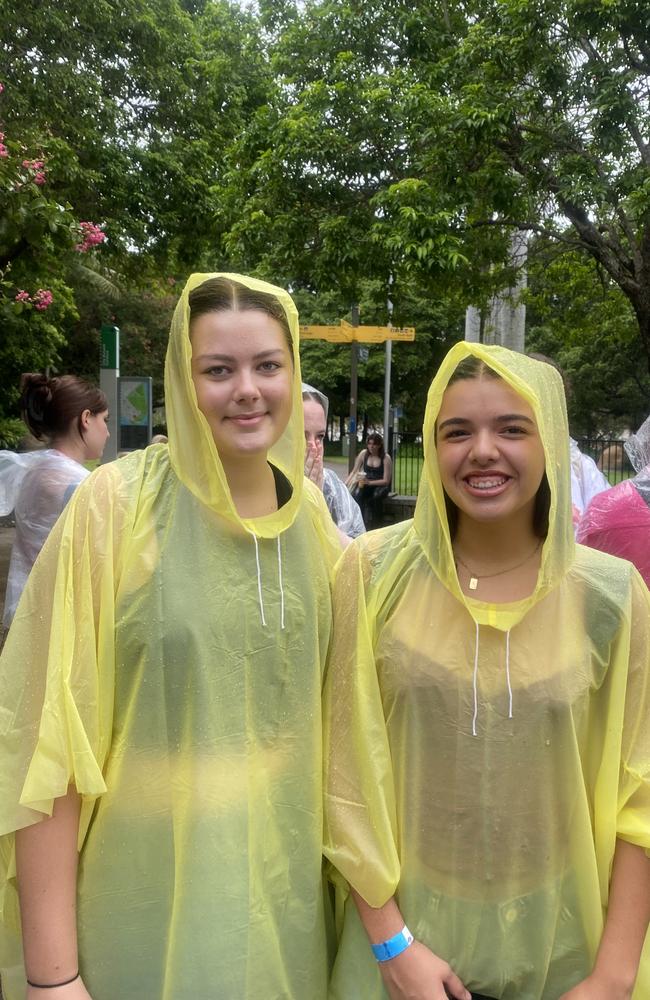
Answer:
(224, 294)
(50, 405)
(470, 368)
(377, 439)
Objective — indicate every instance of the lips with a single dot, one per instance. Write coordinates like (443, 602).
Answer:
(247, 419)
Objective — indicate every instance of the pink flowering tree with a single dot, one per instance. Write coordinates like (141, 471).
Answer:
(41, 241)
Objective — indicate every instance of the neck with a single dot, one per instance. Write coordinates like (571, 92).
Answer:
(252, 485)
(71, 447)
(495, 543)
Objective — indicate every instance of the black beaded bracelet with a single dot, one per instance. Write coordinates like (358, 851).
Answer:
(53, 986)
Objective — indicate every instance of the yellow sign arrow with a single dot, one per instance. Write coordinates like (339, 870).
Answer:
(335, 334)
(346, 333)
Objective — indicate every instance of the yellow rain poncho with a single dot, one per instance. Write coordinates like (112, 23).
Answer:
(498, 845)
(166, 658)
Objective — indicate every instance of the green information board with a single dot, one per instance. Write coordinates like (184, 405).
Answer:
(109, 349)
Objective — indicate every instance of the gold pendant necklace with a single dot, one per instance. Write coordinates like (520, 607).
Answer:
(474, 577)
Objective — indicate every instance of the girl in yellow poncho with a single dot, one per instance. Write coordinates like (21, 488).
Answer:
(487, 720)
(160, 693)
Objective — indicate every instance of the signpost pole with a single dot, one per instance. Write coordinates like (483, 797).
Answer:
(109, 373)
(352, 424)
(387, 371)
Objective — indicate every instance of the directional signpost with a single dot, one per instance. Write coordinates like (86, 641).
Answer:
(346, 333)
(353, 334)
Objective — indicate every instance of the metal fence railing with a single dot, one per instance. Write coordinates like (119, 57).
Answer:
(610, 457)
(406, 452)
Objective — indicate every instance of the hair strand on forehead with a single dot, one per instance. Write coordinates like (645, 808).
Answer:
(226, 295)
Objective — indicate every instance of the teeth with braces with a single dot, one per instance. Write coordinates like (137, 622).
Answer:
(485, 484)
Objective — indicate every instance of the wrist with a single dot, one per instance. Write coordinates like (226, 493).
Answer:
(618, 983)
(393, 946)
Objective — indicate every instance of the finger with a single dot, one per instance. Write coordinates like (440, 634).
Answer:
(455, 988)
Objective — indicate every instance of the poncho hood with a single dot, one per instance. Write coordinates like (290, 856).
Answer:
(541, 386)
(637, 447)
(192, 451)
(322, 398)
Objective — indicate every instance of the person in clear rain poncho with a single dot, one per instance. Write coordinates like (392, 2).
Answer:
(618, 521)
(487, 720)
(160, 693)
(345, 511)
(71, 415)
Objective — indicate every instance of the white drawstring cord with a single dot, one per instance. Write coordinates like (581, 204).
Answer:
(281, 587)
(475, 684)
(508, 674)
(259, 577)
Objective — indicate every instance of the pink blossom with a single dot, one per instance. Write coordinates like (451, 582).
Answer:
(2, 87)
(4, 152)
(23, 296)
(43, 299)
(37, 167)
(2, 137)
(92, 236)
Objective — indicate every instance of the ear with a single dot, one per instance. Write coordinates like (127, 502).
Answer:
(84, 419)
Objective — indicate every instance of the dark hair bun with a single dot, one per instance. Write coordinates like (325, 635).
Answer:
(52, 406)
(36, 396)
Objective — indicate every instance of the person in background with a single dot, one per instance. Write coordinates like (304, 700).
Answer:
(618, 520)
(587, 481)
(70, 415)
(487, 721)
(345, 511)
(160, 694)
(371, 478)
(586, 478)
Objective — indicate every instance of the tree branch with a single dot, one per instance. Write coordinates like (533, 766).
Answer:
(592, 52)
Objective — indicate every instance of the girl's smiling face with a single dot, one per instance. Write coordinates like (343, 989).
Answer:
(490, 454)
(242, 372)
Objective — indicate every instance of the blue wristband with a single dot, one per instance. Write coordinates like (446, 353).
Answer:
(394, 946)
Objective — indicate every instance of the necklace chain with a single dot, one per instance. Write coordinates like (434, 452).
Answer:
(474, 577)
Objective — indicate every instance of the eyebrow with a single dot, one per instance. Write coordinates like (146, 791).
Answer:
(502, 418)
(229, 357)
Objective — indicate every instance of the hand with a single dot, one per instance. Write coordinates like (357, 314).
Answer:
(314, 467)
(73, 991)
(418, 974)
(596, 988)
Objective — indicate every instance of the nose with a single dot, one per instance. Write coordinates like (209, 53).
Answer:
(484, 447)
(246, 386)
